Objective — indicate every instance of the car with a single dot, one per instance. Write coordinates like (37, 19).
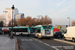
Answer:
(70, 33)
(5, 30)
(58, 35)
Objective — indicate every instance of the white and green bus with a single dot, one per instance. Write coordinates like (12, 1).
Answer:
(21, 30)
(44, 31)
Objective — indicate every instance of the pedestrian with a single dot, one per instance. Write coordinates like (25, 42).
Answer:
(11, 34)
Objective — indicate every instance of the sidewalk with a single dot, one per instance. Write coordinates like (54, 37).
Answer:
(6, 43)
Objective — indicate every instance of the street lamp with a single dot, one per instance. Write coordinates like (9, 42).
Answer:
(5, 16)
(69, 20)
(12, 15)
(39, 16)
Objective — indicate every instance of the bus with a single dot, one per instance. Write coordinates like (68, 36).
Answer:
(32, 30)
(21, 30)
(44, 31)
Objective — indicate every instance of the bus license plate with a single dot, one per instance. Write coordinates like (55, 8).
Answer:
(17, 33)
(47, 32)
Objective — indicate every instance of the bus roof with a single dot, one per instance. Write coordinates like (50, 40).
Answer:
(19, 27)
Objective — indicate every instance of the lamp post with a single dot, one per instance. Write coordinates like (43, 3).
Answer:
(69, 20)
(12, 21)
(12, 15)
(39, 17)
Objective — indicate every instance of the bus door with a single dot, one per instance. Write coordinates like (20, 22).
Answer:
(38, 31)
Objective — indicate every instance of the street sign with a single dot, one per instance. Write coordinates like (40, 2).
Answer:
(59, 26)
(27, 25)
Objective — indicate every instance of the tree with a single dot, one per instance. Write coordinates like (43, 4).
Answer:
(1, 24)
(14, 21)
(21, 21)
(73, 23)
(35, 21)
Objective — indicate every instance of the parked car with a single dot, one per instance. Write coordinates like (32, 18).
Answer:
(58, 35)
(70, 33)
(5, 30)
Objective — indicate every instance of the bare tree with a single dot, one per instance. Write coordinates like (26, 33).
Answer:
(73, 23)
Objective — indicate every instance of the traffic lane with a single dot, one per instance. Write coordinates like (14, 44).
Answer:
(58, 44)
(27, 44)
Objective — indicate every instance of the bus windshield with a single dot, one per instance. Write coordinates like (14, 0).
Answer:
(33, 30)
(47, 27)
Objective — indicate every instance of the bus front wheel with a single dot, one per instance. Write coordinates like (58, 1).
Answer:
(38, 36)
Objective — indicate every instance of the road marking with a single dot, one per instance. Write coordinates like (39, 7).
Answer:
(46, 44)
(22, 40)
(40, 41)
(26, 40)
(36, 39)
(65, 41)
(55, 48)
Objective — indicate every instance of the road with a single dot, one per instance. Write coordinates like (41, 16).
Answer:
(31, 43)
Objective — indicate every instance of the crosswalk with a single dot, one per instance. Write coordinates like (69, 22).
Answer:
(26, 40)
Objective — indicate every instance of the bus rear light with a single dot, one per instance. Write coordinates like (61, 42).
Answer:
(41, 32)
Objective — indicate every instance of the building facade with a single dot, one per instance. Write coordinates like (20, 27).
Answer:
(18, 16)
(8, 13)
(2, 18)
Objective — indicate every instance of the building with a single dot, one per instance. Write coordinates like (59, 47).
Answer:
(8, 15)
(18, 16)
(2, 18)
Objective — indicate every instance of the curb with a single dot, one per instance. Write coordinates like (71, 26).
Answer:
(18, 44)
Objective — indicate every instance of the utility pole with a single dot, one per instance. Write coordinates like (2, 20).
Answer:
(69, 20)
(12, 20)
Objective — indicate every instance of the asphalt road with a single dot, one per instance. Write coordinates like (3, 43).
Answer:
(31, 43)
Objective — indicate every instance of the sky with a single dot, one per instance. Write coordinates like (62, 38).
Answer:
(57, 10)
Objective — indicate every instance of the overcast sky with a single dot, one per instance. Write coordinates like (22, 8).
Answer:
(57, 10)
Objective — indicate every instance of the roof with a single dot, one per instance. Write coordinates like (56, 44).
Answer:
(19, 27)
